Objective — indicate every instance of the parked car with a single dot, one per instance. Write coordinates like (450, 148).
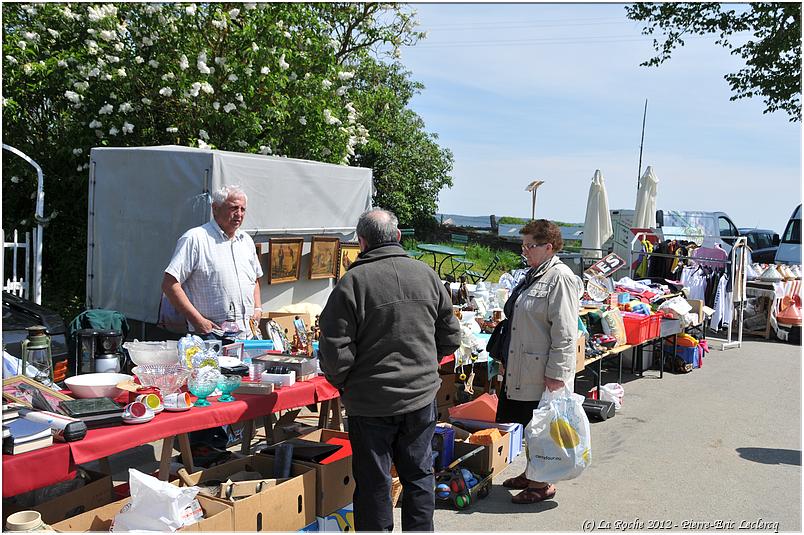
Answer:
(763, 244)
(18, 314)
(789, 251)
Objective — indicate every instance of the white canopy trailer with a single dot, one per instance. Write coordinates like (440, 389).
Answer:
(141, 200)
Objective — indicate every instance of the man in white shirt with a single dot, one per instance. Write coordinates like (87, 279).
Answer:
(214, 272)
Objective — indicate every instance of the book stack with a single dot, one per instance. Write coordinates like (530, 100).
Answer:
(94, 412)
(21, 435)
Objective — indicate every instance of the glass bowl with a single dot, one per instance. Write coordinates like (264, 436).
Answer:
(227, 384)
(202, 386)
(169, 378)
(153, 352)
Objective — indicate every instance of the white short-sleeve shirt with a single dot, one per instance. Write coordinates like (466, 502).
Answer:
(218, 274)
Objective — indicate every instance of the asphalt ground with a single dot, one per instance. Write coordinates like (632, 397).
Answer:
(717, 449)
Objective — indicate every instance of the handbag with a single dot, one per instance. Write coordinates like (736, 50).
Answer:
(498, 340)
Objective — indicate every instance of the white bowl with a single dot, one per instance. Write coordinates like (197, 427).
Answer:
(96, 385)
(153, 352)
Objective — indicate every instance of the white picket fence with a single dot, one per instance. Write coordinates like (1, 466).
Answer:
(19, 254)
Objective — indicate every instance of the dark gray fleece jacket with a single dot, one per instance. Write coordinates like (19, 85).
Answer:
(385, 326)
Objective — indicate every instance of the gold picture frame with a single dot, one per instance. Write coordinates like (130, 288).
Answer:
(12, 391)
(284, 259)
(347, 253)
(324, 257)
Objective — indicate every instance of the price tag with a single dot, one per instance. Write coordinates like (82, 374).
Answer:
(606, 266)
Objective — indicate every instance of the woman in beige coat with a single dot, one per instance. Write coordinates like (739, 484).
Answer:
(543, 329)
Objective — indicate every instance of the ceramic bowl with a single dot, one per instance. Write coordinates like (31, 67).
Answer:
(153, 352)
(168, 378)
(96, 385)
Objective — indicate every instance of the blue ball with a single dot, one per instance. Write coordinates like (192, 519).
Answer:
(442, 490)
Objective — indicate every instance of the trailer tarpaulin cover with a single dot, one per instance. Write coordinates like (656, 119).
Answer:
(141, 200)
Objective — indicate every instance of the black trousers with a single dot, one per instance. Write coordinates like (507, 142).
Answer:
(406, 441)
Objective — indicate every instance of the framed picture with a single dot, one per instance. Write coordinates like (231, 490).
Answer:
(346, 255)
(22, 389)
(233, 350)
(284, 259)
(324, 257)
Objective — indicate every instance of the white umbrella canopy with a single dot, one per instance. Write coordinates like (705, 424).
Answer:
(597, 225)
(645, 211)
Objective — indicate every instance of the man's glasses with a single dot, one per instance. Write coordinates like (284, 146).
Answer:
(526, 246)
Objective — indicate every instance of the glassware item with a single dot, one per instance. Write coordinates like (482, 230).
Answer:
(168, 378)
(201, 386)
(227, 384)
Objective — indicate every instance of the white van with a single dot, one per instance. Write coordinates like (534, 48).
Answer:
(789, 251)
(705, 228)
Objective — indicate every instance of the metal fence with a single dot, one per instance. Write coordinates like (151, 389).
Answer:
(17, 263)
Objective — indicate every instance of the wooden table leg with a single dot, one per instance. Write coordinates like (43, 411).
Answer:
(165, 457)
(105, 467)
(323, 414)
(335, 419)
(248, 434)
(186, 453)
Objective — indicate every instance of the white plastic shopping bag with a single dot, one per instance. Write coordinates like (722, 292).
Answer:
(558, 438)
(155, 505)
(614, 393)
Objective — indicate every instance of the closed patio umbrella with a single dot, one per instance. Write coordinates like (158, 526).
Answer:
(645, 211)
(597, 225)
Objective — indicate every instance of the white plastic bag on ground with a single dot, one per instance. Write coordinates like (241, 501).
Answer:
(613, 392)
(155, 505)
(558, 438)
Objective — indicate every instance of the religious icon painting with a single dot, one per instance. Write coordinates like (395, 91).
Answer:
(324, 257)
(347, 254)
(284, 259)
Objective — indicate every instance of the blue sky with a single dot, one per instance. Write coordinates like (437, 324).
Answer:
(554, 91)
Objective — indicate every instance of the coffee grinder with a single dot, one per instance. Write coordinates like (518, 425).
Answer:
(109, 358)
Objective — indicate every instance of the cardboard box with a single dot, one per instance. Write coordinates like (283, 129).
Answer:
(217, 517)
(341, 520)
(447, 391)
(288, 506)
(697, 308)
(95, 493)
(515, 432)
(669, 327)
(494, 459)
(334, 482)
(580, 354)
(442, 412)
(313, 526)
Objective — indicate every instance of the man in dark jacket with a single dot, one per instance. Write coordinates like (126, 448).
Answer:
(384, 327)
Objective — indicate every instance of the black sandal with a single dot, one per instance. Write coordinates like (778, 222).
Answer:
(534, 494)
(518, 482)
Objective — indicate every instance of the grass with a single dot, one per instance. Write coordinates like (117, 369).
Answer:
(481, 255)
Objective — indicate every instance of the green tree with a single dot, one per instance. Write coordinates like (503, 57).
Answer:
(772, 54)
(410, 168)
(269, 78)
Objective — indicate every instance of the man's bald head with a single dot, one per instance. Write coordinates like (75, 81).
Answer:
(377, 226)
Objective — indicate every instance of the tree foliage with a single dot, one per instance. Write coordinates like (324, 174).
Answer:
(772, 53)
(270, 78)
(410, 168)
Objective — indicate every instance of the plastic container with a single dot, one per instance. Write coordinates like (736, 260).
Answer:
(637, 327)
(655, 326)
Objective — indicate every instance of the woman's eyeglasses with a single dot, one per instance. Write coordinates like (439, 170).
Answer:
(526, 246)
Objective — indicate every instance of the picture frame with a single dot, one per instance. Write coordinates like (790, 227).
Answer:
(233, 350)
(284, 259)
(17, 389)
(324, 257)
(347, 253)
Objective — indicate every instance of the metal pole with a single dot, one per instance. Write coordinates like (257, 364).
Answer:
(39, 231)
(641, 142)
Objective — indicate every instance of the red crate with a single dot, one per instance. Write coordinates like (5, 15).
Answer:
(637, 327)
(655, 329)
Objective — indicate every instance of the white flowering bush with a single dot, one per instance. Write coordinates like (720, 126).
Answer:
(267, 78)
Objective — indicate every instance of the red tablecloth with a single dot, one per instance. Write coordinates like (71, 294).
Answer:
(39, 468)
